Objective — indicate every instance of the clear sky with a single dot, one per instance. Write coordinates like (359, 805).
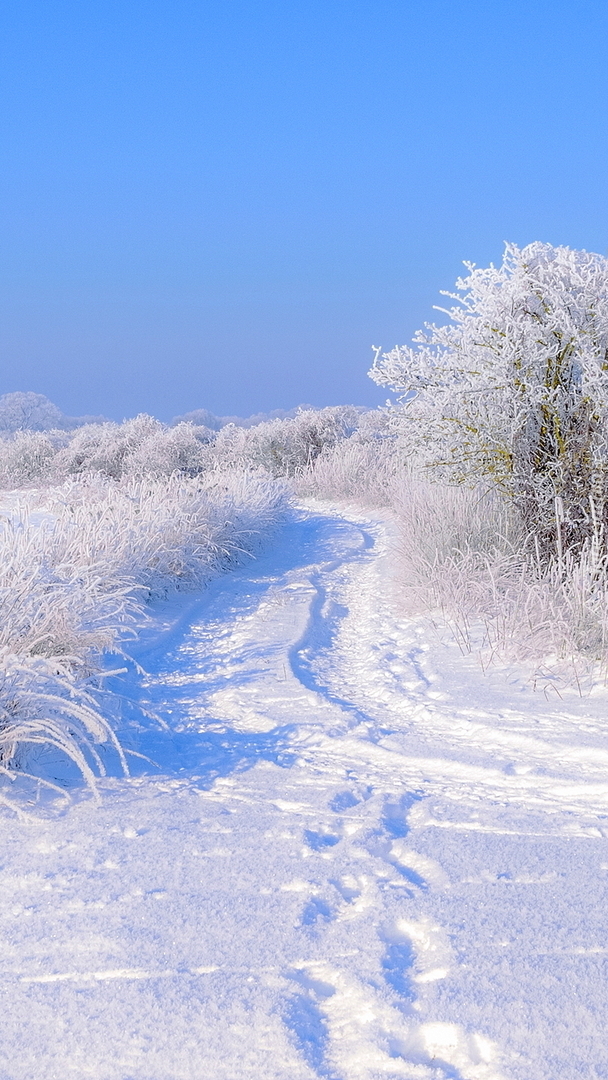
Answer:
(225, 203)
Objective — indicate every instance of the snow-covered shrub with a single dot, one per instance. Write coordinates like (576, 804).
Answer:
(73, 582)
(285, 447)
(137, 447)
(27, 457)
(181, 449)
(104, 448)
(144, 446)
(513, 390)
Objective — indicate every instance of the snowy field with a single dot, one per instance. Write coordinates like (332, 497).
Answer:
(358, 855)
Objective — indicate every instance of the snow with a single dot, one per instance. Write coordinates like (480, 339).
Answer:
(358, 855)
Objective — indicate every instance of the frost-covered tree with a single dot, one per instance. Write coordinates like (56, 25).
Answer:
(26, 411)
(513, 389)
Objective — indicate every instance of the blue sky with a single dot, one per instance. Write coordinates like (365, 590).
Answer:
(224, 204)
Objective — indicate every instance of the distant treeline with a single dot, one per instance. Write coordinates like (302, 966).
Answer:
(27, 411)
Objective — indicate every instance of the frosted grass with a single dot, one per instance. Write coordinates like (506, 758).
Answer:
(369, 472)
(79, 562)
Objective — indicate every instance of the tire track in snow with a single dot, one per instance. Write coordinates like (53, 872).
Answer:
(328, 881)
(362, 657)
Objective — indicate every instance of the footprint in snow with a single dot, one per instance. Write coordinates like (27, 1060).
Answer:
(306, 1021)
(315, 910)
(349, 887)
(416, 868)
(349, 798)
(321, 841)
(395, 814)
(346, 1028)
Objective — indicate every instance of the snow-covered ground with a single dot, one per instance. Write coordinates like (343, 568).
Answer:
(358, 856)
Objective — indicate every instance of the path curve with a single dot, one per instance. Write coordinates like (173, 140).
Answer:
(358, 856)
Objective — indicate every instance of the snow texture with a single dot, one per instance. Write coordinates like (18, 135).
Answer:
(358, 856)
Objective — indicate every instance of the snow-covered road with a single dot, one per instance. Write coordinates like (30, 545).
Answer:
(359, 855)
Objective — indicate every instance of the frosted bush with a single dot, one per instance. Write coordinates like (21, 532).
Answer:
(285, 447)
(27, 458)
(181, 449)
(513, 389)
(136, 447)
(104, 448)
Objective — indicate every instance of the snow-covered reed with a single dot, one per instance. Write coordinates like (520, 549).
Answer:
(465, 558)
(365, 471)
(78, 563)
